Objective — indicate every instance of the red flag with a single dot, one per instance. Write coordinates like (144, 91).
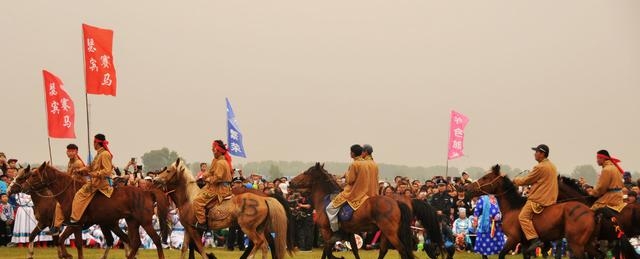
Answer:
(456, 134)
(100, 73)
(60, 109)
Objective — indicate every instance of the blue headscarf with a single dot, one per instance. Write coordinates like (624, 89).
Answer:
(484, 222)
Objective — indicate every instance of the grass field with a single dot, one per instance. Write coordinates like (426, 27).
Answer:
(50, 253)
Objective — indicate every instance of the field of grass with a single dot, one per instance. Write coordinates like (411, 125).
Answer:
(50, 253)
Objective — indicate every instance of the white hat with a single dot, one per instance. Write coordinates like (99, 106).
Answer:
(148, 178)
(462, 209)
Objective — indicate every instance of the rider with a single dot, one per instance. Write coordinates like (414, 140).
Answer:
(218, 181)
(75, 163)
(355, 190)
(544, 192)
(372, 172)
(610, 184)
(100, 169)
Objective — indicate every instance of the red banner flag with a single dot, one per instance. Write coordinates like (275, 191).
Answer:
(456, 134)
(61, 115)
(100, 73)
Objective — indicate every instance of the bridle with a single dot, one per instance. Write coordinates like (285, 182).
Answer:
(42, 184)
(490, 184)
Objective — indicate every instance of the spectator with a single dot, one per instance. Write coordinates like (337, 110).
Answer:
(25, 221)
(461, 201)
(13, 163)
(203, 170)
(3, 163)
(490, 239)
(632, 197)
(628, 181)
(4, 183)
(441, 201)
(389, 190)
(6, 220)
(465, 178)
(460, 229)
(304, 222)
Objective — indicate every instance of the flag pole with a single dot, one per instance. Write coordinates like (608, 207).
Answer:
(46, 116)
(86, 96)
(50, 156)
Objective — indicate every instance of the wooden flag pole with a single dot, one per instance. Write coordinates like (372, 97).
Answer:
(50, 156)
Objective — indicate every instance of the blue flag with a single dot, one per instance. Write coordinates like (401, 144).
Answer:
(234, 136)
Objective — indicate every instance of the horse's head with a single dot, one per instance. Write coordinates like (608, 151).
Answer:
(38, 178)
(315, 176)
(21, 177)
(490, 183)
(169, 177)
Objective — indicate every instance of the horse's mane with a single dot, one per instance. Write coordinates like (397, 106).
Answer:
(185, 174)
(573, 184)
(323, 176)
(511, 194)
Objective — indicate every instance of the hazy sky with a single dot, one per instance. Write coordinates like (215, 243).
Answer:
(308, 79)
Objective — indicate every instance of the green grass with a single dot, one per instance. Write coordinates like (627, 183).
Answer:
(90, 253)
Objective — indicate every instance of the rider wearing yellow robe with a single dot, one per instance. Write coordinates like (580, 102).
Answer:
(218, 183)
(610, 183)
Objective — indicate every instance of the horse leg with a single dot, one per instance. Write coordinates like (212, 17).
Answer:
(259, 242)
(354, 246)
(124, 238)
(390, 232)
(509, 245)
(77, 234)
(134, 238)
(383, 247)
(195, 239)
(32, 236)
(185, 245)
(156, 239)
(108, 238)
(329, 242)
(62, 249)
(250, 247)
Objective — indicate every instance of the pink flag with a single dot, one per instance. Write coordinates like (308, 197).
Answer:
(456, 134)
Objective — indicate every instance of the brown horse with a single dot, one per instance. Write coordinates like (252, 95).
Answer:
(627, 219)
(44, 206)
(133, 204)
(390, 216)
(257, 215)
(570, 219)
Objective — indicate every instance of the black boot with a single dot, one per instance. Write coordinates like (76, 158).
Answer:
(201, 226)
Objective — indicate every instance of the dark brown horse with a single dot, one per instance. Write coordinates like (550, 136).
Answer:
(390, 216)
(572, 220)
(627, 219)
(44, 206)
(133, 204)
(257, 214)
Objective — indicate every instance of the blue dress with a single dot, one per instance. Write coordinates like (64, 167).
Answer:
(485, 244)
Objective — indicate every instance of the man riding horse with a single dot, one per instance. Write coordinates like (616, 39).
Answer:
(543, 193)
(218, 183)
(99, 170)
(610, 183)
(372, 170)
(75, 164)
(355, 191)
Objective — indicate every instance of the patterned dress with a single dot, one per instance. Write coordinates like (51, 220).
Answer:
(488, 212)
(26, 221)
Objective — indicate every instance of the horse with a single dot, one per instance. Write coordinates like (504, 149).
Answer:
(256, 214)
(570, 219)
(390, 216)
(134, 204)
(627, 219)
(44, 206)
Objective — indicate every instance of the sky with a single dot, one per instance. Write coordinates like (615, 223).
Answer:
(309, 79)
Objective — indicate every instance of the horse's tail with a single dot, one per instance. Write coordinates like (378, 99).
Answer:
(291, 222)
(162, 203)
(404, 232)
(278, 225)
(627, 251)
(429, 219)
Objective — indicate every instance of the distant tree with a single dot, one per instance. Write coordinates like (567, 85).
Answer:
(588, 172)
(274, 172)
(159, 158)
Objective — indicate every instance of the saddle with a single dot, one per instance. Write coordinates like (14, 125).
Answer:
(346, 211)
(219, 211)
